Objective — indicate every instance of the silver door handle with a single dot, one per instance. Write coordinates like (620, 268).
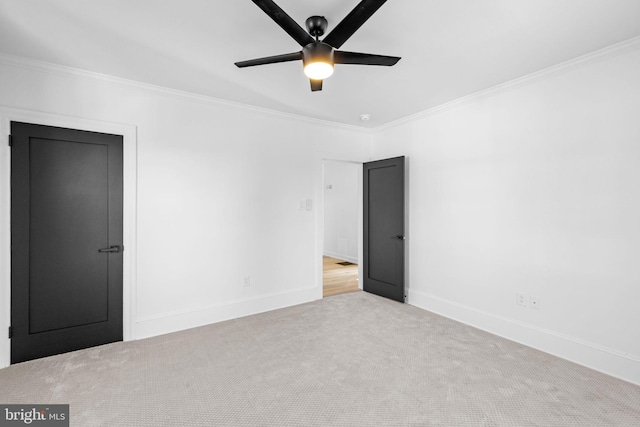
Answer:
(400, 237)
(115, 248)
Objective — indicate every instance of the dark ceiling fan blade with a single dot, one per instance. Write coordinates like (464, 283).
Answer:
(315, 85)
(285, 21)
(270, 60)
(352, 22)
(342, 57)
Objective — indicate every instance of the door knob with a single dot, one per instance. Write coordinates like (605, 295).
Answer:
(115, 248)
(400, 237)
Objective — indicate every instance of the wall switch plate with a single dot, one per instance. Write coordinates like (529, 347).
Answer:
(302, 205)
(535, 303)
(309, 204)
(246, 281)
(522, 299)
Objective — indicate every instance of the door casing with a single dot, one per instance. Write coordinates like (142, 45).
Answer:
(320, 157)
(7, 115)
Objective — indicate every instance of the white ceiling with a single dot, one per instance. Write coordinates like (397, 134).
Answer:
(449, 48)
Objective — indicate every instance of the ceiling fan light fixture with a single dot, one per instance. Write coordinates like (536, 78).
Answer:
(317, 58)
(318, 70)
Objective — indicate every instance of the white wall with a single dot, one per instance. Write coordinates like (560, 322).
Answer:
(533, 188)
(530, 188)
(218, 190)
(341, 210)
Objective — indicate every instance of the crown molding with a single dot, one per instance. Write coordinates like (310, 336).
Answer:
(617, 49)
(63, 70)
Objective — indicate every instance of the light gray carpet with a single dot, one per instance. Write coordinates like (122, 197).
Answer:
(347, 360)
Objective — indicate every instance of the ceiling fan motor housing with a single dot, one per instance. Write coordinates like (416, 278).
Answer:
(317, 52)
(316, 25)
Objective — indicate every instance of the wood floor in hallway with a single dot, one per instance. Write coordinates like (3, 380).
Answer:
(338, 279)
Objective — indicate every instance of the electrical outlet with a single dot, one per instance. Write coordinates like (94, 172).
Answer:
(535, 303)
(522, 299)
(246, 282)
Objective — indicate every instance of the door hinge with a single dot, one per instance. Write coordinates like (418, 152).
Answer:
(10, 141)
(10, 332)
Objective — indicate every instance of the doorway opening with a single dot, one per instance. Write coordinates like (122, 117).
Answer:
(342, 213)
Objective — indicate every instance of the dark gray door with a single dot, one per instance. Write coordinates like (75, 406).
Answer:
(383, 237)
(66, 237)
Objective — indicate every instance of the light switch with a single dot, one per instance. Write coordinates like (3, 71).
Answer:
(309, 204)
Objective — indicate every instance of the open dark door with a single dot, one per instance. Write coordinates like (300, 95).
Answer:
(66, 237)
(383, 237)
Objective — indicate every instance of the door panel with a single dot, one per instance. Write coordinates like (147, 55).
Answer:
(383, 190)
(66, 204)
(69, 210)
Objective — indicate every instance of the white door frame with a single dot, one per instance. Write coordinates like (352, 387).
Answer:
(321, 157)
(129, 134)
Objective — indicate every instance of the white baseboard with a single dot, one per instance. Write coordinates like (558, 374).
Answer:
(611, 362)
(341, 256)
(178, 321)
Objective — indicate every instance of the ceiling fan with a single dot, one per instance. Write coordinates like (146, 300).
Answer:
(318, 57)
